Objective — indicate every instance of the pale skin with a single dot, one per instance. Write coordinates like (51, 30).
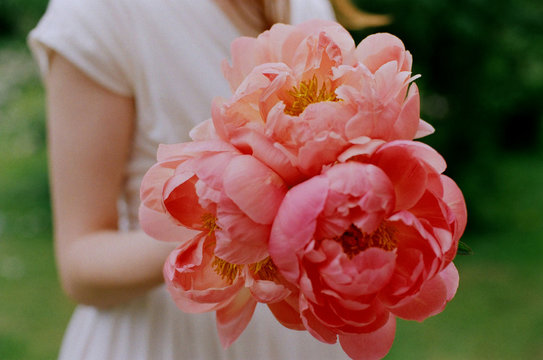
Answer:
(90, 133)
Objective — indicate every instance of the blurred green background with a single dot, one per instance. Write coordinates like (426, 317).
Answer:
(482, 83)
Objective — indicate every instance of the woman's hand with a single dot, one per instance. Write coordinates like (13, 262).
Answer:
(90, 135)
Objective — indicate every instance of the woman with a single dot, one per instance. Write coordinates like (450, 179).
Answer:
(121, 77)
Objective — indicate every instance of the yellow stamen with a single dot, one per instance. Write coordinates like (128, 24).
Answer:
(308, 92)
(354, 241)
(264, 270)
(209, 222)
(226, 270)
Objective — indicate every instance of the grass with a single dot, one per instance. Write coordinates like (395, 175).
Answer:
(496, 314)
(33, 310)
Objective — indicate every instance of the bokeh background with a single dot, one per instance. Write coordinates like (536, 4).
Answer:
(482, 89)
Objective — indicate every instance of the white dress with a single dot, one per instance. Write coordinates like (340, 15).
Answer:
(166, 54)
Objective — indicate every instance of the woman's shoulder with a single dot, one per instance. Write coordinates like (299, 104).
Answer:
(91, 34)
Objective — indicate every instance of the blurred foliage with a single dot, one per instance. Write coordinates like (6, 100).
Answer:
(482, 82)
(18, 17)
(33, 309)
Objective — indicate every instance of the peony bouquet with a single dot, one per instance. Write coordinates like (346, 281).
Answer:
(306, 192)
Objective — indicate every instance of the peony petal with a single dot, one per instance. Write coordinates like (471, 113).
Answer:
(408, 177)
(423, 152)
(371, 271)
(451, 279)
(378, 49)
(266, 291)
(433, 209)
(154, 220)
(152, 186)
(316, 56)
(204, 131)
(407, 278)
(219, 295)
(254, 188)
(160, 226)
(210, 168)
(191, 149)
(414, 233)
(188, 305)
(431, 299)
(455, 200)
(239, 239)
(246, 55)
(371, 346)
(191, 281)
(407, 124)
(320, 151)
(356, 320)
(424, 129)
(168, 152)
(295, 224)
(287, 315)
(391, 85)
(355, 179)
(234, 318)
(194, 246)
(350, 80)
(251, 142)
(200, 301)
(314, 326)
(181, 200)
(333, 30)
(360, 151)
(408, 164)
(281, 80)
(219, 118)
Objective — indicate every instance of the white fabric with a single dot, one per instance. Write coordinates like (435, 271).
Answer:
(167, 54)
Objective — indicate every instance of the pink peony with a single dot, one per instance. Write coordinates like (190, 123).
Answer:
(307, 93)
(229, 201)
(209, 185)
(365, 242)
(370, 226)
(199, 281)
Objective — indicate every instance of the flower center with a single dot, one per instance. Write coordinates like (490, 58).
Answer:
(227, 271)
(354, 241)
(308, 92)
(263, 270)
(209, 222)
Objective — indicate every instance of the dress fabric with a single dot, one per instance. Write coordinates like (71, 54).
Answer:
(167, 55)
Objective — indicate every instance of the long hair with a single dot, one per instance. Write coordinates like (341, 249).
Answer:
(350, 16)
(347, 14)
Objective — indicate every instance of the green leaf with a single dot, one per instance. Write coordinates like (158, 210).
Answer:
(464, 249)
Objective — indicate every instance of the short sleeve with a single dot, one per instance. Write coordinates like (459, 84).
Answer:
(93, 35)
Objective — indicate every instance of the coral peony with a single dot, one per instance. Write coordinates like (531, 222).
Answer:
(229, 200)
(305, 191)
(369, 240)
(209, 184)
(308, 93)
(199, 281)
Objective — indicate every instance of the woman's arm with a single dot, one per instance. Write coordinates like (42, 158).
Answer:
(90, 133)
